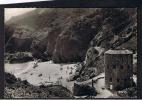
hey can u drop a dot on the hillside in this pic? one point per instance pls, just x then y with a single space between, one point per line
66 34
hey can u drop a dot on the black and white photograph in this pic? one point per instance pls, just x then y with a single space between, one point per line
70 53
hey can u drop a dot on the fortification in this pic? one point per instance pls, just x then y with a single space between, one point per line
118 69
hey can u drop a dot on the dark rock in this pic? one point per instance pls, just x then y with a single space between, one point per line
15 88
91 57
24 59
39 75
9 30
10 79
81 90
20 57
129 92
21 44
72 43
19 39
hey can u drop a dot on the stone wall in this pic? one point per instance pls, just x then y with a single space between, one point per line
118 69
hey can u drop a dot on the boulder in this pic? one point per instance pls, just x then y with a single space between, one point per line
91 55
129 92
19 57
83 90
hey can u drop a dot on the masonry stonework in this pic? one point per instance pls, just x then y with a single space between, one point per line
118 69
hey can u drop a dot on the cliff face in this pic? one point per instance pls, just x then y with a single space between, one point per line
119 31
72 43
66 34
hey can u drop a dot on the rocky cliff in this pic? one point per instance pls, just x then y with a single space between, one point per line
66 34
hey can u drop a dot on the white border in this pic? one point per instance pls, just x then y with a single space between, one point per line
19 1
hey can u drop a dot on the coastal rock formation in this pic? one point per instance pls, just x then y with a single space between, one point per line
15 88
67 38
81 90
72 43
19 57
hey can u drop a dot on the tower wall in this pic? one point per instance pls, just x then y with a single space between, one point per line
118 70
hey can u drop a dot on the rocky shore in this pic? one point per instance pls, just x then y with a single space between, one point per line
15 88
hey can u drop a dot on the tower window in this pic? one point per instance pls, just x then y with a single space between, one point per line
125 80
110 80
128 66
118 79
114 66
107 66
121 67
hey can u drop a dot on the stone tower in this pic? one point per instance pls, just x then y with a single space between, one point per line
118 69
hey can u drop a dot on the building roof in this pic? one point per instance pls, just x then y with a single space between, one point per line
118 52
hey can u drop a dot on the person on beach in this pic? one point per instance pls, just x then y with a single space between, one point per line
49 77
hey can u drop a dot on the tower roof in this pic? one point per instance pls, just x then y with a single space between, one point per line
118 52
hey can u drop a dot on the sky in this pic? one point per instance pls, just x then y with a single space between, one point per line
11 12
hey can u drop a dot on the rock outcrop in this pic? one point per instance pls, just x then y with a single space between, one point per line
19 57
72 43
15 88
67 38
118 31
81 90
